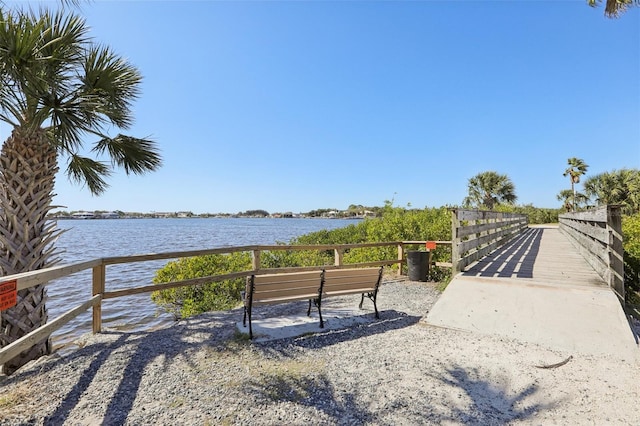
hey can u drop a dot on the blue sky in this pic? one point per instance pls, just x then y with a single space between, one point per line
299 105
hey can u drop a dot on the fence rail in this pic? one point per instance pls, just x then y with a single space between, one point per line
477 233
100 293
597 234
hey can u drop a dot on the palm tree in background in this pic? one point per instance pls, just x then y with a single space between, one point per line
614 8
57 87
620 187
567 196
577 168
488 189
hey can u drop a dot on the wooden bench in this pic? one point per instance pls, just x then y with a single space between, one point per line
281 288
365 281
312 286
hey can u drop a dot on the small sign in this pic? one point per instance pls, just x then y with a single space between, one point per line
431 245
8 294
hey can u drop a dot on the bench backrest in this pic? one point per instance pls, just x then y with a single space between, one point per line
275 288
350 281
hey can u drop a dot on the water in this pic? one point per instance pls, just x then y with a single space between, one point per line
91 239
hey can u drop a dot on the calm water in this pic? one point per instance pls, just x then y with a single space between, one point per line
91 239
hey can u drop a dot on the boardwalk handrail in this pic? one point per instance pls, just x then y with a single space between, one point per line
597 234
99 292
476 233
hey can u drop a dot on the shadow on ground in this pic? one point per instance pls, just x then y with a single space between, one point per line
519 254
490 404
134 351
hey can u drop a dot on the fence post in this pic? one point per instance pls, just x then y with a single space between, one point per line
98 278
455 241
616 252
255 259
400 257
337 261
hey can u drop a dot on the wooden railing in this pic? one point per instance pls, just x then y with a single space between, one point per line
477 233
100 293
597 234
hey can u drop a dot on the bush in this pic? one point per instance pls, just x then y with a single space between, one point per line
186 301
631 244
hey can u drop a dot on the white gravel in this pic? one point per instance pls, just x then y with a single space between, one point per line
393 371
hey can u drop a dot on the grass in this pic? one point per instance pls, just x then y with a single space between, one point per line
12 400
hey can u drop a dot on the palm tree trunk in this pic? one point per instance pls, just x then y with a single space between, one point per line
28 165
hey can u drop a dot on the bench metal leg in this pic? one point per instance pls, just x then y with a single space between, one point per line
318 302
373 297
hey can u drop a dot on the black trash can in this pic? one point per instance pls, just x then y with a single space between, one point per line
418 265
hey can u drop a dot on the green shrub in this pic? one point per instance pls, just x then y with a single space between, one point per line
186 301
631 232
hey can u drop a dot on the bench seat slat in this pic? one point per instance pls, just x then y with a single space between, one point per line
293 292
355 290
287 285
288 298
281 278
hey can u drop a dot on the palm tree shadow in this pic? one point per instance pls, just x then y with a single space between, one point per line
314 392
491 404
141 349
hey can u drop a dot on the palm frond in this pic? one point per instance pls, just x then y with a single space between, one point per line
112 84
134 155
614 8
88 171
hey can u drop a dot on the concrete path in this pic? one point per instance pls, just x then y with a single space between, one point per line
526 291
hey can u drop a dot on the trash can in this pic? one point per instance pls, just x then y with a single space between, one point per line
418 265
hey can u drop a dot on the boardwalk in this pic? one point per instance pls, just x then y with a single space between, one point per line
542 254
538 289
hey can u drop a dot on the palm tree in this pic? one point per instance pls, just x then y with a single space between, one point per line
567 196
577 168
614 8
57 87
621 187
488 189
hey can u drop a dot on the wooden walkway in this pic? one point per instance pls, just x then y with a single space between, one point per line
541 253
538 289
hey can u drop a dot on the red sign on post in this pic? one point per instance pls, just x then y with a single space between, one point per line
431 245
8 294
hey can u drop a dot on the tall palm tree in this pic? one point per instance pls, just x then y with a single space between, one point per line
614 8
487 189
577 167
57 87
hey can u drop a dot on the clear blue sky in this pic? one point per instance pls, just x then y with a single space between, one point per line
299 105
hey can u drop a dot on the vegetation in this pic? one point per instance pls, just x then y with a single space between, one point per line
489 189
577 167
614 8
569 198
396 224
621 187
631 232
536 215
56 88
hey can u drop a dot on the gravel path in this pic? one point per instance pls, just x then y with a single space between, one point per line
393 371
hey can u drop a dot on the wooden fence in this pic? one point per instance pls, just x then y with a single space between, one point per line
477 233
100 293
597 234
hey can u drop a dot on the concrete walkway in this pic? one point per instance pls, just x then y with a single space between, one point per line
526 292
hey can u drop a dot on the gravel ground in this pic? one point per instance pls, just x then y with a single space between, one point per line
393 371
